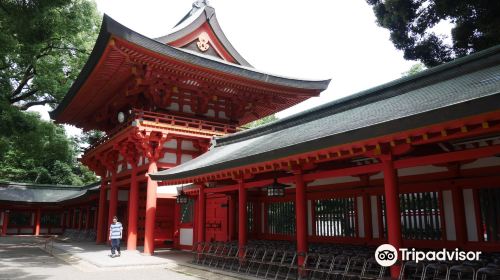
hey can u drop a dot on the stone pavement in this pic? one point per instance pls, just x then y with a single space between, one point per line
33 258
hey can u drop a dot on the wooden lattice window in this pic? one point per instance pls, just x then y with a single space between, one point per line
187 210
490 214
51 219
20 219
335 217
281 218
420 216
250 217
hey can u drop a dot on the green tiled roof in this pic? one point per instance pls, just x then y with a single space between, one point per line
462 88
41 193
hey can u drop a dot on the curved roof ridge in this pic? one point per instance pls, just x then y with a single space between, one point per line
193 20
47 186
398 86
113 29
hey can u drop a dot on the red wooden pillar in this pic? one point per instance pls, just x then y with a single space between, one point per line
101 216
242 217
149 231
5 222
301 214
393 213
87 219
133 209
201 214
37 221
113 200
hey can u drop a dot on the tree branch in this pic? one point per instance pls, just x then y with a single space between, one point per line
28 75
23 96
27 105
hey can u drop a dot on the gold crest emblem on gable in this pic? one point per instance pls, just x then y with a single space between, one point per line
202 43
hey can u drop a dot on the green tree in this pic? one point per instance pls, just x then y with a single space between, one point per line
37 151
262 121
43 46
475 27
414 69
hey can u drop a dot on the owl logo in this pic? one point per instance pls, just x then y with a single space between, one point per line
203 42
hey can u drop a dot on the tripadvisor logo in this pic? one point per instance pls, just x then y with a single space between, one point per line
387 255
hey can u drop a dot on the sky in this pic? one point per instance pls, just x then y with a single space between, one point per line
314 39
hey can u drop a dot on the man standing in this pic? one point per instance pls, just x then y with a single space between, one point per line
115 234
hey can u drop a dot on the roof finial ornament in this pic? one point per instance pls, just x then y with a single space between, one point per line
200 3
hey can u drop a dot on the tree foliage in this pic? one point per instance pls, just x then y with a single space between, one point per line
37 151
475 27
262 121
43 46
414 69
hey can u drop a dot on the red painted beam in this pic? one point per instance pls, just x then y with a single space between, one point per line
448 157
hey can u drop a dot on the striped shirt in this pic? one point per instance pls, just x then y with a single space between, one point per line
115 231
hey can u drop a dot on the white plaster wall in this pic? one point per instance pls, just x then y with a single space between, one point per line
186 236
361 217
222 115
173 106
210 113
186 158
420 170
333 180
374 207
482 162
470 215
171 144
12 231
187 109
167 189
187 145
169 158
122 195
379 175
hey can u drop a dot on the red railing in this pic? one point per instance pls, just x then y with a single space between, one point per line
160 120
186 122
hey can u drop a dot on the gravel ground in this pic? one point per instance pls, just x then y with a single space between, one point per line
21 258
